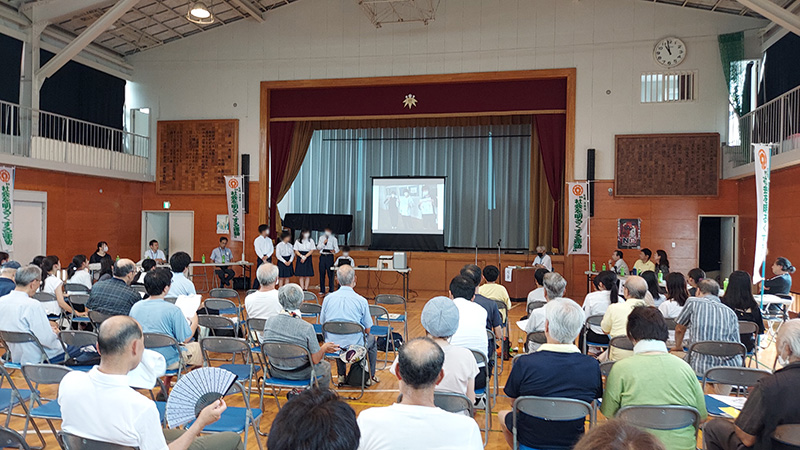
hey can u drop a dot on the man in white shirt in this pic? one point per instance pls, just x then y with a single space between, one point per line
328 247
617 264
542 260
100 405
423 425
554 287
223 255
264 249
471 332
154 253
537 295
264 303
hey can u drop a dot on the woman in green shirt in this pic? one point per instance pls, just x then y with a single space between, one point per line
652 376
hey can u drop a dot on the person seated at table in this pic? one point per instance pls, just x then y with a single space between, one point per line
537 294
542 260
115 296
708 320
155 253
615 320
772 402
662 263
643 264
597 303
656 293
556 369
653 376
223 255
53 285
617 434
147 266
739 298
100 254
327 422
494 290
181 285
289 327
78 272
7 273
696 275
345 259
617 264
781 283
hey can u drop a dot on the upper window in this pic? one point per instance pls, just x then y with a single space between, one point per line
663 87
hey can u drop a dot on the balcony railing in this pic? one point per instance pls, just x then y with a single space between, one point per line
52 137
776 122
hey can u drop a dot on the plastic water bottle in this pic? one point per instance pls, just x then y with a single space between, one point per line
117 257
622 271
725 284
223 258
204 258
594 269
604 267
660 277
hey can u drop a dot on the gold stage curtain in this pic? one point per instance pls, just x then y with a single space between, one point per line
540 223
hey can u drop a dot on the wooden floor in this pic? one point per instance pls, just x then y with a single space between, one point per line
381 394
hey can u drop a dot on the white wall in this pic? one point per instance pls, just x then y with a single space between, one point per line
610 43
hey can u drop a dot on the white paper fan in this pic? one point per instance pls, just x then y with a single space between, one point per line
196 390
352 353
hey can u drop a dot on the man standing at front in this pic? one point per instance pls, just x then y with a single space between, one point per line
345 305
328 247
264 249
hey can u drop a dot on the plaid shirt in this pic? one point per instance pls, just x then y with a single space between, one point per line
112 297
710 320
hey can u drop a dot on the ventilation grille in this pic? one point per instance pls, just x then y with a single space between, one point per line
669 87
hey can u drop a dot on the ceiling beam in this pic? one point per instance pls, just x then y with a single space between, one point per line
53 10
250 9
774 13
84 39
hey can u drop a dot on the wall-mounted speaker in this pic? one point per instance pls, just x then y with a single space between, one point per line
245 169
590 156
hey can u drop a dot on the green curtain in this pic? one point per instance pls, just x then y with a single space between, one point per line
731 51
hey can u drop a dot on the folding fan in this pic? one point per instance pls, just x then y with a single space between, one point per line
352 353
196 390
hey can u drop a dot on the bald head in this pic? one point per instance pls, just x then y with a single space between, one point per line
420 363
116 335
636 287
346 276
125 269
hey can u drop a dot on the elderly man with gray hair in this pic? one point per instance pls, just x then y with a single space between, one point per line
615 320
264 303
289 327
554 287
557 369
345 305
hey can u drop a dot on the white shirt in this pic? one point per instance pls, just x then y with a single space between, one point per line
103 407
51 285
262 305
263 246
535 321
305 245
544 260
460 367
670 309
417 427
536 295
284 252
471 331
18 312
82 277
596 303
158 254
621 264
328 243
660 300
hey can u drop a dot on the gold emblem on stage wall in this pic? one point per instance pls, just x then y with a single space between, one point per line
410 101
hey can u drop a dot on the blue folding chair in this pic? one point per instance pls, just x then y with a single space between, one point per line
11 439
384 331
308 310
158 340
72 442
234 347
20 337
40 407
224 307
551 409
45 297
79 300
11 397
591 321
238 419
392 299
226 293
77 338
286 357
485 392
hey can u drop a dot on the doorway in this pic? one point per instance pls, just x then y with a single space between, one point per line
174 231
29 225
717 246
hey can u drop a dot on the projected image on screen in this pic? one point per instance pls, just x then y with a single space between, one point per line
408 205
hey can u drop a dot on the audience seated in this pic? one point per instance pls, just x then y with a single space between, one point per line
21 313
771 403
493 318
557 369
288 326
596 303
115 296
676 296
781 283
51 284
78 271
494 290
696 275
147 265
415 422
708 320
471 331
537 295
181 285
7 274
264 303
739 298
653 376
615 321
618 435
345 305
554 287
100 405
643 264
157 315
315 419
654 289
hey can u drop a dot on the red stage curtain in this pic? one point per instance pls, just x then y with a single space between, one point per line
552 131
280 139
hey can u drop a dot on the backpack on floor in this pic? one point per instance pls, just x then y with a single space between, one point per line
394 344
357 370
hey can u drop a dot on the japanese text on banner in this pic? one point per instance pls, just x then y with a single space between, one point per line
578 218
235 194
762 165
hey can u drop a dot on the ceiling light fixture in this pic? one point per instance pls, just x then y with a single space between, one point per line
199 13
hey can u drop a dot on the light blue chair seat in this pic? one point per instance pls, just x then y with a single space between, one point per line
379 330
50 410
242 371
12 365
233 419
400 318
283 382
5 397
317 328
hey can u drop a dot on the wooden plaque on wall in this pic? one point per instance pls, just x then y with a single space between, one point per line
667 165
194 155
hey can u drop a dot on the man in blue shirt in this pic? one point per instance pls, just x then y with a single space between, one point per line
157 315
179 262
345 305
7 277
222 255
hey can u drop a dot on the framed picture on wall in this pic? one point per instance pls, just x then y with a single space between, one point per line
629 233
222 224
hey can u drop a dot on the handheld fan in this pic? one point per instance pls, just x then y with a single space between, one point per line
352 353
196 390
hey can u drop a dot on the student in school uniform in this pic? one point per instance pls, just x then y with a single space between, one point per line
154 253
304 267
222 255
264 249
284 253
328 247
345 259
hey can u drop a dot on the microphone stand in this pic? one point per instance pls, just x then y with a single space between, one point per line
499 259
